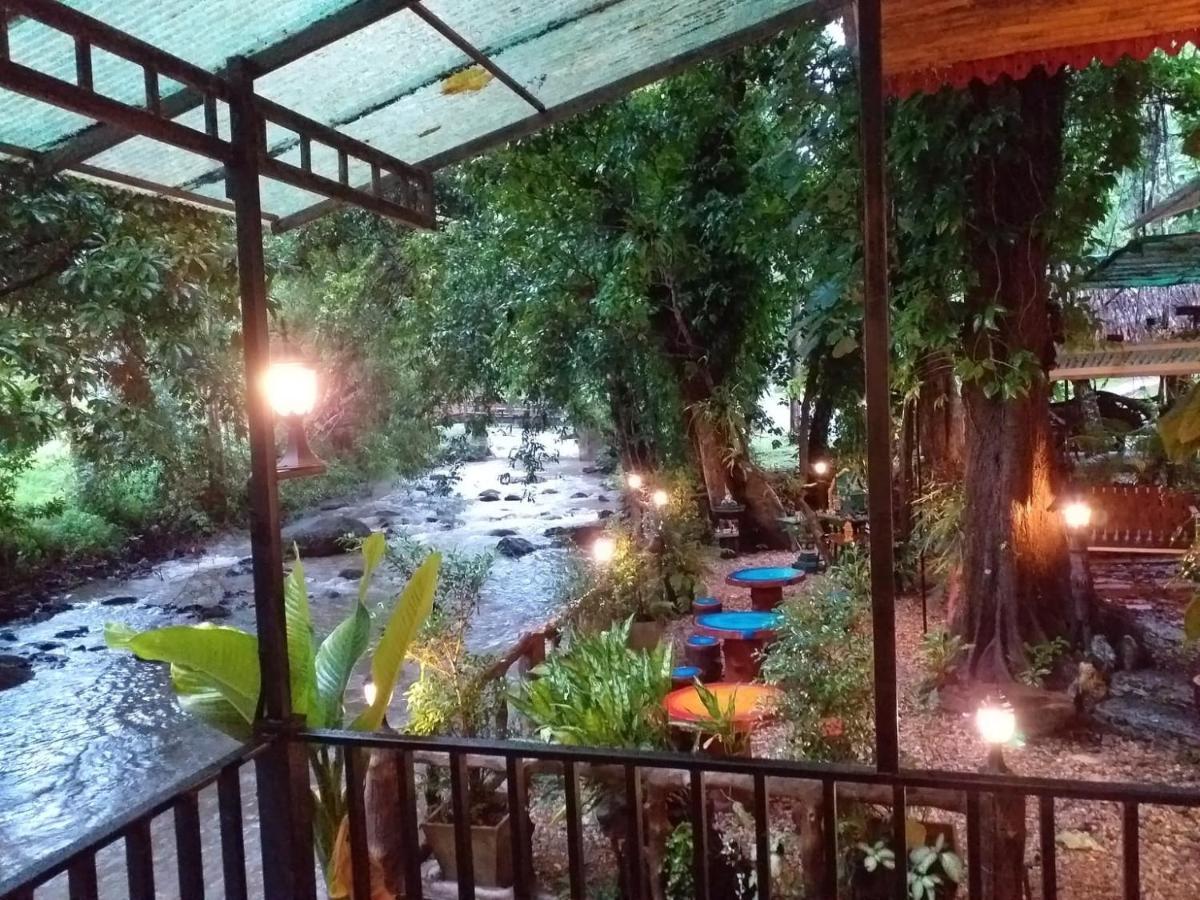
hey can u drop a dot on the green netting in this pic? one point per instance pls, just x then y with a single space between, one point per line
1156 261
392 84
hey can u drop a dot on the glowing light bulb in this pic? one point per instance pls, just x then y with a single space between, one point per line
1077 515
820 468
635 481
660 498
370 692
603 550
291 388
997 723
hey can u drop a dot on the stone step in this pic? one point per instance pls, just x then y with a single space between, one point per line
1148 719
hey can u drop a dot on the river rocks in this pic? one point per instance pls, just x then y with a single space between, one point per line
1103 654
121 600
501 532
579 535
324 535
603 498
351 573
549 490
68 633
435 518
204 612
604 514
9 636
47 646
514 547
491 495
14 670
580 495
511 497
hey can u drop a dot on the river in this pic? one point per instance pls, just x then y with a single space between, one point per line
95 730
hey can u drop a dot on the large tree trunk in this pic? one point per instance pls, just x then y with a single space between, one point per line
1016 567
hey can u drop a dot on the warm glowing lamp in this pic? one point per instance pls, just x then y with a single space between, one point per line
603 550
291 389
659 498
1077 515
635 481
997 724
820 468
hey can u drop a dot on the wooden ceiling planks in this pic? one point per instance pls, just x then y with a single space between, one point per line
929 43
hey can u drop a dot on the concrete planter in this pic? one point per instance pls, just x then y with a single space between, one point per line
491 851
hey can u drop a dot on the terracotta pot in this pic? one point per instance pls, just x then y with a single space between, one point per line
491 851
646 635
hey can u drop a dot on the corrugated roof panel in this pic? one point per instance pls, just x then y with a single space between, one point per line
1155 261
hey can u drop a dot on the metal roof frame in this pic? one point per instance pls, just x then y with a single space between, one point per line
1155 260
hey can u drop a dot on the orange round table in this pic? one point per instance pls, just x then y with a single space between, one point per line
752 703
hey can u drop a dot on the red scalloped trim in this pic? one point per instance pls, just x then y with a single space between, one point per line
1018 65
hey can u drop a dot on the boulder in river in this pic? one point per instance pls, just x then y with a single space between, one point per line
491 495
324 535
514 547
14 670
579 495
351 573
501 532
68 633
122 600
512 496
579 535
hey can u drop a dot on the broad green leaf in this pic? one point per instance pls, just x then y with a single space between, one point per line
1191 619
952 865
200 698
227 657
336 659
409 614
373 550
299 639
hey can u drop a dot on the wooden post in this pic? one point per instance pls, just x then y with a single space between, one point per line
285 813
876 350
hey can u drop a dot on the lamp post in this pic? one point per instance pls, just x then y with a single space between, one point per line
1077 516
1001 813
291 388
604 549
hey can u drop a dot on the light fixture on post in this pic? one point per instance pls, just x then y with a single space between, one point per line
604 548
660 498
291 389
1077 516
821 468
635 481
997 724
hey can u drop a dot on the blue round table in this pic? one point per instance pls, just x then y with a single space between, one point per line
743 636
766 584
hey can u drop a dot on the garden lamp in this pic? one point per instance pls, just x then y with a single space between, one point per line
997 724
660 498
1077 515
291 389
603 550
635 481
820 468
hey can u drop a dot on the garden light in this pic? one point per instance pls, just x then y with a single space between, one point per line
820 468
997 723
291 389
660 498
603 550
1077 515
635 481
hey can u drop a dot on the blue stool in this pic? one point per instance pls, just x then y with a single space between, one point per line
702 605
684 676
704 653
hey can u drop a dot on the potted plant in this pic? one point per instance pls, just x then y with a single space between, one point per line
457 693
215 675
718 733
933 872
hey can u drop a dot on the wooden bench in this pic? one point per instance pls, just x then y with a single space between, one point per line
1139 518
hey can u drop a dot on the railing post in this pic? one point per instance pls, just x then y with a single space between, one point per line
876 350
285 815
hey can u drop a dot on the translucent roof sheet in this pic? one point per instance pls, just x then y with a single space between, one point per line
1155 261
395 83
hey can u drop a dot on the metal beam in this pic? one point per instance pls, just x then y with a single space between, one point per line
877 352
479 57
97 138
761 31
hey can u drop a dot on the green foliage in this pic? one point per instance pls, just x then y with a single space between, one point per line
717 729
822 662
215 670
678 869
599 693
1041 659
941 655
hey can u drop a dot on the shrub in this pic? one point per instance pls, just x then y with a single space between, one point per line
941 655
599 693
822 662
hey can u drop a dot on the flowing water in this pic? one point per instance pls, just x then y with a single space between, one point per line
96 731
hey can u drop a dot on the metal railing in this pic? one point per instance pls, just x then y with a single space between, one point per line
634 776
